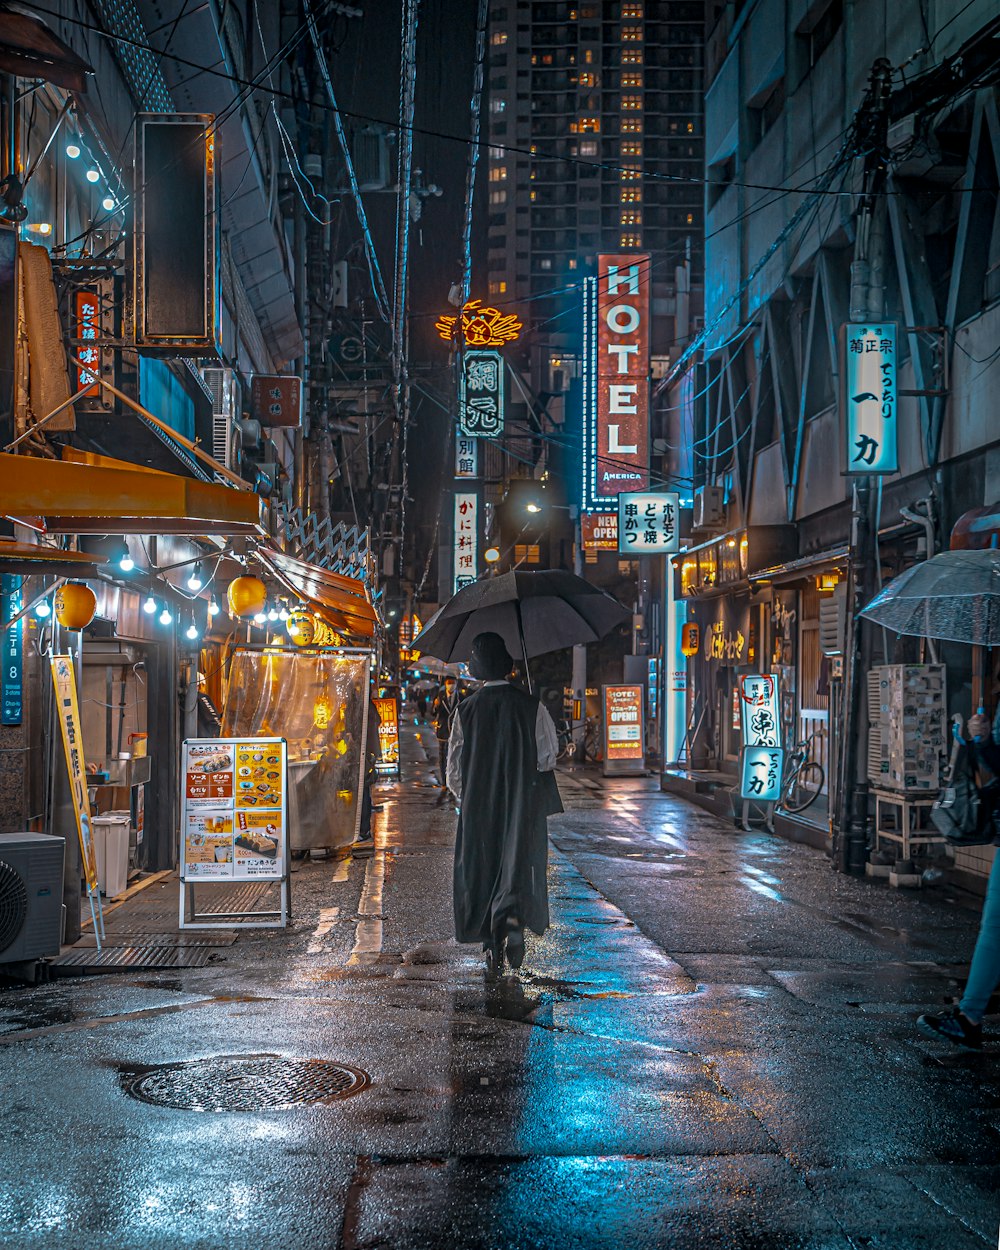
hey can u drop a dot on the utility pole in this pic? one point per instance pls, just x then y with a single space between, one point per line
867 301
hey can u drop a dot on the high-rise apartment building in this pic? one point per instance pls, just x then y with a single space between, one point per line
596 145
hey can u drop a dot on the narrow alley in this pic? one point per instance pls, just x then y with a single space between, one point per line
714 1045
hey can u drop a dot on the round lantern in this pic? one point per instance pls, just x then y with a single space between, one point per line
301 628
247 596
75 605
690 639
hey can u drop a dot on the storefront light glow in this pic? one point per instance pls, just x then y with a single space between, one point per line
72 150
93 175
149 607
166 616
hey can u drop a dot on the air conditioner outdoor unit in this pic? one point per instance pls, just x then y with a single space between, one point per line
709 508
31 874
224 386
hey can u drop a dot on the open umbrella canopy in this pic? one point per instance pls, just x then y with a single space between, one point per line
548 610
953 595
428 664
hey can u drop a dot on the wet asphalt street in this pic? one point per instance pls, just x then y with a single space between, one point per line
712 1047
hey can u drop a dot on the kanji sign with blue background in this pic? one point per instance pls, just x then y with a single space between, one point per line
647 523
870 398
11 698
760 774
480 395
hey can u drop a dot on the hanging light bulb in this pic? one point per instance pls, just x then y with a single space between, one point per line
213 608
43 609
93 175
282 613
272 614
260 618
149 607
192 631
72 150
166 616
125 561
195 581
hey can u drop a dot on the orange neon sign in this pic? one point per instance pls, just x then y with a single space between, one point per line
482 327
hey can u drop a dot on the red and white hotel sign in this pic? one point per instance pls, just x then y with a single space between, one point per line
622 374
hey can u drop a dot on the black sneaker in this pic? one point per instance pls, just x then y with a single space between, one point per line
954 1027
515 947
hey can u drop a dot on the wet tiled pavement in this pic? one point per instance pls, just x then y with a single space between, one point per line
712 1047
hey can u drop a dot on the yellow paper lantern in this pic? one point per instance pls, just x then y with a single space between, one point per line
308 630
690 639
247 596
75 605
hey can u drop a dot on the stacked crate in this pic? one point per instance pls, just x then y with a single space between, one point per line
907 733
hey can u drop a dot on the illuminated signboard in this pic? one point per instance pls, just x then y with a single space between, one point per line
870 398
760 774
760 721
12 663
624 751
466 456
599 531
87 327
466 538
480 395
387 765
481 326
616 379
647 523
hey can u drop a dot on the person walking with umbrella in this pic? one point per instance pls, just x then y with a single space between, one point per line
503 749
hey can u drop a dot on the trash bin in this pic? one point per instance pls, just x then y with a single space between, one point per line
111 839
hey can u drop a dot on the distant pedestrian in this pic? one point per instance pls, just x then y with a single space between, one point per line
443 716
373 752
503 751
963 1024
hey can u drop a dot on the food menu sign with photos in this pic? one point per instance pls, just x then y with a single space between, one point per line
624 751
234 809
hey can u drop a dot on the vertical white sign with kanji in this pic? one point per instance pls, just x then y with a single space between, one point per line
466 456
761 723
466 538
870 398
648 523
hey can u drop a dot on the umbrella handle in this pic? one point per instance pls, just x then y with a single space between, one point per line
524 648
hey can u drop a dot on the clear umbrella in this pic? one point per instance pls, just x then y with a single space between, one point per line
953 595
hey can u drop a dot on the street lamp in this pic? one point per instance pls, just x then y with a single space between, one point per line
491 555
532 507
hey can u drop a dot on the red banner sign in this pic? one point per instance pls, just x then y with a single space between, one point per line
622 374
599 531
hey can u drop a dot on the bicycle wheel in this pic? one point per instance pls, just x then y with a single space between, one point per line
803 787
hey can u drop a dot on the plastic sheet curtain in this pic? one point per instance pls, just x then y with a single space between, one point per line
317 702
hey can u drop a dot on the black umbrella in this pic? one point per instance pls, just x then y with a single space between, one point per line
532 612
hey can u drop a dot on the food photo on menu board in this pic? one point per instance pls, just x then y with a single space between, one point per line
208 844
257 844
208 780
258 775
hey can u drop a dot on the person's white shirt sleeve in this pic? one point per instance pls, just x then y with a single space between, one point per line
546 740
455 743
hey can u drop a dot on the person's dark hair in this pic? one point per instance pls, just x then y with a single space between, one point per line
490 659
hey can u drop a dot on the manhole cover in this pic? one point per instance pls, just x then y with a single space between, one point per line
245 1083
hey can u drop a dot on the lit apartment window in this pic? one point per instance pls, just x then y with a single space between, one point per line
498 288
631 125
631 10
498 197
497 105
631 195
632 79
631 34
630 173
588 56
589 125
526 553
498 173
532 195
629 240
631 147
690 219
632 56
545 262
496 154
498 38
586 80
572 262
631 217
631 103
690 128
588 147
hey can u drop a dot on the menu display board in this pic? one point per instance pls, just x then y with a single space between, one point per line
388 737
234 809
624 750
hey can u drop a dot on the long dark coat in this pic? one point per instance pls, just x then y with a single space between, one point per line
501 850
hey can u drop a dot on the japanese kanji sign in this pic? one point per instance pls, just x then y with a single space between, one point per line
276 399
647 523
11 695
466 456
761 723
869 398
480 395
466 538
624 749
760 774
88 323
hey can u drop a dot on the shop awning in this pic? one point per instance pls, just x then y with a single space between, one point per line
343 601
30 49
26 558
107 496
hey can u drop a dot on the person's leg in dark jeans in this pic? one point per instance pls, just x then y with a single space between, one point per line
443 761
